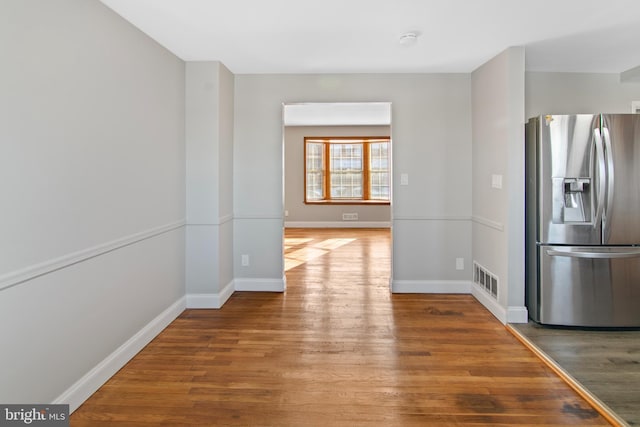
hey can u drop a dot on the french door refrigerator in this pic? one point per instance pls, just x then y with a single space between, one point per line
583 220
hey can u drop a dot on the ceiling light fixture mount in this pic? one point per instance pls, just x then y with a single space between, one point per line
409 39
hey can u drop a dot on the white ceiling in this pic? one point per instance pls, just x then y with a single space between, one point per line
361 36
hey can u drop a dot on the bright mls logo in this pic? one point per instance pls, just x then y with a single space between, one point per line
34 415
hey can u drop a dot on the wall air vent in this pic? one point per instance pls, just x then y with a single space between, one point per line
485 279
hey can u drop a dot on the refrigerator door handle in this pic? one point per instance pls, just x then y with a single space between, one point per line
610 181
600 163
595 253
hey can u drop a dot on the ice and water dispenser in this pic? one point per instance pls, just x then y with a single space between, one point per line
572 201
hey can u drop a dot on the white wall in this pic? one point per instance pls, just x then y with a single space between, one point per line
209 155
92 184
431 143
498 149
574 93
309 215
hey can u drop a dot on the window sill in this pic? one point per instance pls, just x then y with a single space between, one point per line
348 202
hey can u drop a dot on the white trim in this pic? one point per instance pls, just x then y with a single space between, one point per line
197 301
517 314
431 286
489 302
512 314
337 224
222 220
488 223
260 285
225 218
82 389
46 267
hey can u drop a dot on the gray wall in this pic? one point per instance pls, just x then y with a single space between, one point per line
307 215
498 213
209 155
574 93
92 177
92 183
431 143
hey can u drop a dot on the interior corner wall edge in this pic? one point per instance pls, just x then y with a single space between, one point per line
209 178
92 124
498 115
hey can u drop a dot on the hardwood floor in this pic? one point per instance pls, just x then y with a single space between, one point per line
604 362
337 349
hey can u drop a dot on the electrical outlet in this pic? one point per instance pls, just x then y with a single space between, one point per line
459 263
245 260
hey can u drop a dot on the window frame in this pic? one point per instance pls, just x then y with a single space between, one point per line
366 169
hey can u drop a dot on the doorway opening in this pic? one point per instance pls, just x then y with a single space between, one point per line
333 195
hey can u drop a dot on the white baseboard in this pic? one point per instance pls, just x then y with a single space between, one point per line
197 301
517 314
260 285
514 314
489 302
96 377
337 224
431 287
509 315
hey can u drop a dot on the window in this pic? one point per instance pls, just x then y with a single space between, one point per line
347 170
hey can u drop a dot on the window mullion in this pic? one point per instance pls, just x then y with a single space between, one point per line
368 184
327 171
366 191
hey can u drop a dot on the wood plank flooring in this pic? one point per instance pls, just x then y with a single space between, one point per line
605 362
337 349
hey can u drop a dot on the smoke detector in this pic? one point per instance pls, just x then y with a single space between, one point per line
409 39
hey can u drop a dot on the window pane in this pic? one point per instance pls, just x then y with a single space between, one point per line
347 168
314 171
379 170
346 171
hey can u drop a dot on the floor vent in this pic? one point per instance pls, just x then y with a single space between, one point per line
485 279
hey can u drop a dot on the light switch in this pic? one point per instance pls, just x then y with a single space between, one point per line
496 181
404 179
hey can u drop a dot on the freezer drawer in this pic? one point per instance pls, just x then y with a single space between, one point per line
588 286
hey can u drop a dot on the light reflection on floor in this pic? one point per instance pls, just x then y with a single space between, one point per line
295 257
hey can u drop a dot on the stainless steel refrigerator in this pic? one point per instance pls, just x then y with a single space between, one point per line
583 220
